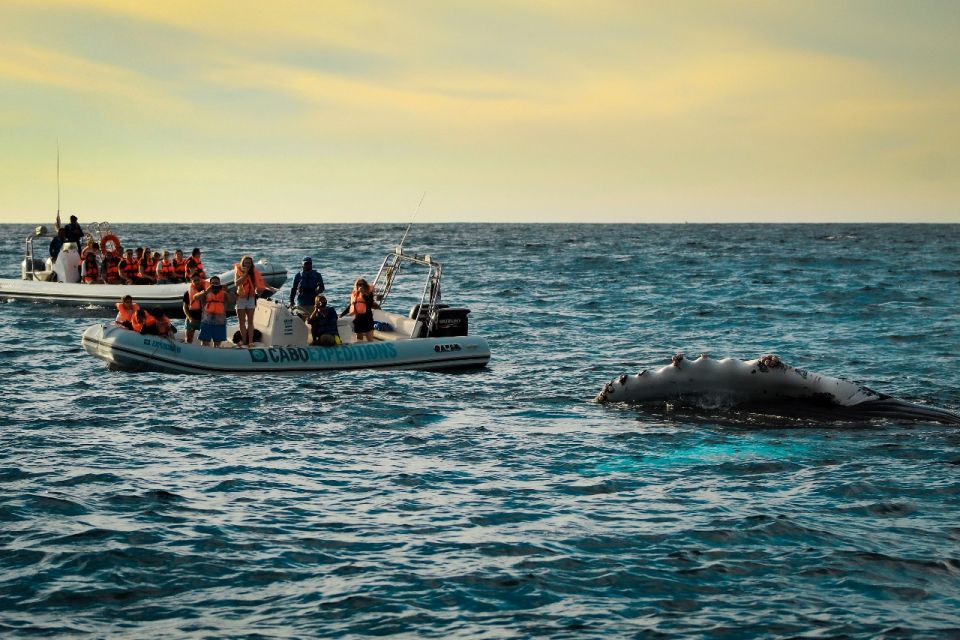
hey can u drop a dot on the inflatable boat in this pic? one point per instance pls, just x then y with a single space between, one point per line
58 281
431 336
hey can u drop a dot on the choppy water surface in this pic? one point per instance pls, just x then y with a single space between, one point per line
503 503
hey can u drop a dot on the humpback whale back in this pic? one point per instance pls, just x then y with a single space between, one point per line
764 381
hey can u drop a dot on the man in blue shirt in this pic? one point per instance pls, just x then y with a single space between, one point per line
307 285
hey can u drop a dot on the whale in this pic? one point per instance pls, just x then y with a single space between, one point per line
764 382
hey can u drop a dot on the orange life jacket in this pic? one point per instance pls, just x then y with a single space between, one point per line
111 272
358 304
91 272
215 302
148 320
180 268
194 265
251 285
165 269
192 291
129 268
126 315
148 269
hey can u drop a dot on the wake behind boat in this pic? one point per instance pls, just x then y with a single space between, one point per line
431 336
58 281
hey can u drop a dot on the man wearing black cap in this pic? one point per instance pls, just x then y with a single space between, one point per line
307 285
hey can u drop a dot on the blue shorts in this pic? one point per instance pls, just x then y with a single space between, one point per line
215 332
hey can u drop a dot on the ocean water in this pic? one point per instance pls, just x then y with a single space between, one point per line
502 503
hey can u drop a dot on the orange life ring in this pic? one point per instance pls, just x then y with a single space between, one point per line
110 244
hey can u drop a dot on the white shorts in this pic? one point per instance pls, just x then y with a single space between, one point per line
246 303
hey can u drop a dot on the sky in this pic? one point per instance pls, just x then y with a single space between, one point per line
499 111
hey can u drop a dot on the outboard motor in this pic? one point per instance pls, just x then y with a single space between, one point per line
444 322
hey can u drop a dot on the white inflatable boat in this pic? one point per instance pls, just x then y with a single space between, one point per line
431 337
58 282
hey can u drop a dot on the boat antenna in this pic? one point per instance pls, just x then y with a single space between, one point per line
403 239
58 183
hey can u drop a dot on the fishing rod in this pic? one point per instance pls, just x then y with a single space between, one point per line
58 184
403 239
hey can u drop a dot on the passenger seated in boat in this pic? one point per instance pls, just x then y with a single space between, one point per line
165 270
129 268
148 269
90 270
323 324
164 324
91 247
126 309
179 267
110 269
194 265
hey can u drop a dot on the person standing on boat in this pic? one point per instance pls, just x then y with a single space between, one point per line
361 308
249 283
307 285
323 324
57 243
191 305
213 324
73 231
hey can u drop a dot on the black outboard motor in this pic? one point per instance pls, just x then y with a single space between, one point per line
444 322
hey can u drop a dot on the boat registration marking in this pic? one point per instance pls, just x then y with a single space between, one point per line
161 344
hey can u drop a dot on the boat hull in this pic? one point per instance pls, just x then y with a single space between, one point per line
126 350
166 296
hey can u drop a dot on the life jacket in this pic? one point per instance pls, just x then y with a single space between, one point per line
148 321
91 272
148 269
125 315
325 324
194 304
180 268
358 301
165 269
251 285
111 272
129 268
194 265
215 302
